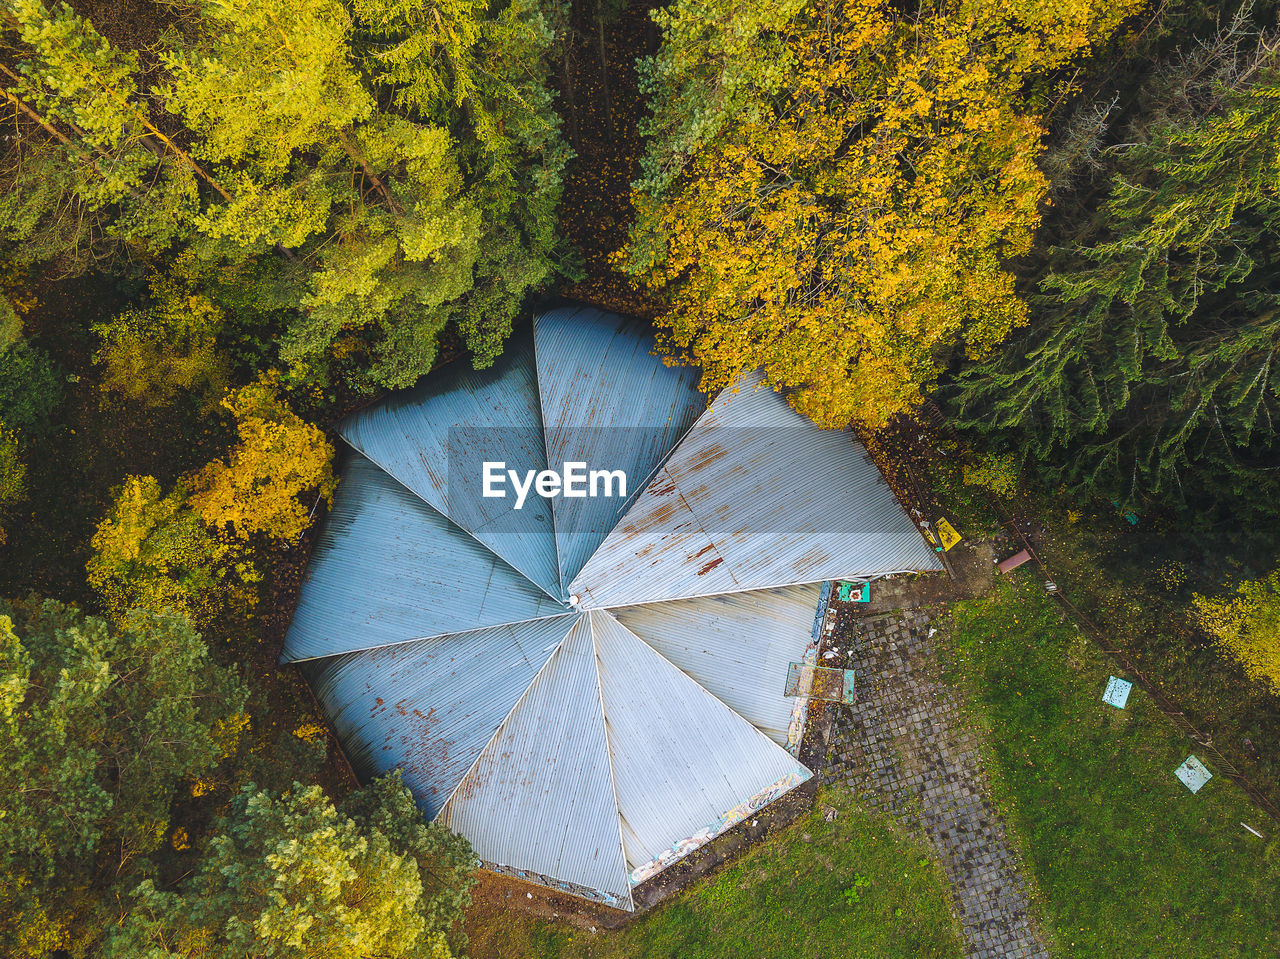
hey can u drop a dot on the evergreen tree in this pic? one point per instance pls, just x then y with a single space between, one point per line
98 725
377 177
1148 370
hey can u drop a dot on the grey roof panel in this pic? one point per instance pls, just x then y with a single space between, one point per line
430 707
585 750
738 646
387 568
679 768
755 496
540 797
455 420
609 402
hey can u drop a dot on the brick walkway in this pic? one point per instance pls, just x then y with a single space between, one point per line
903 746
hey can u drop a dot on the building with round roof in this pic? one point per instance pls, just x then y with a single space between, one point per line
587 687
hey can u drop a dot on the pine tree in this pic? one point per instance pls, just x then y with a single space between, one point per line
1148 371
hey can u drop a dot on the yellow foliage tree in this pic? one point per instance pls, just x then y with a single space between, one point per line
845 223
1247 625
13 473
152 550
279 457
150 355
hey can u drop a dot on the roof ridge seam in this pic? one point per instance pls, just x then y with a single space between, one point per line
608 752
506 719
423 639
546 455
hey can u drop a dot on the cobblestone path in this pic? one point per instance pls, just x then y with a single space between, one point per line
903 746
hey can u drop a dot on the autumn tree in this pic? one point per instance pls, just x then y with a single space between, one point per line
833 190
295 876
154 550
96 174
98 725
1247 625
375 176
257 489
153 353
1147 373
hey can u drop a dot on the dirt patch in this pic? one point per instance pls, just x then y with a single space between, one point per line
497 896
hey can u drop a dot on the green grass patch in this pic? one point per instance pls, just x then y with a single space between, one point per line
1127 861
859 886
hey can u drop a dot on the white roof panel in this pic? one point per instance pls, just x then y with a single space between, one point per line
609 403
453 422
540 797
429 708
738 646
679 768
387 568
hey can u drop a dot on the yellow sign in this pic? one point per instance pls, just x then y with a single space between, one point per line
947 534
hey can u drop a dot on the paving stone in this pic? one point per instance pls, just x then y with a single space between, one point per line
903 746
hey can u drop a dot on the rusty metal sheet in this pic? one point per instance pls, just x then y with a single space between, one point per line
589 748
754 497
460 417
738 646
387 568
609 402
540 797
429 708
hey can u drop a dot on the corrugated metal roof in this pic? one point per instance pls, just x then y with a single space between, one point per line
608 402
679 767
577 748
738 646
755 496
387 568
541 795
461 417
448 695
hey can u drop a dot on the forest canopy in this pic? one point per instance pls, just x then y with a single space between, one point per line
364 178
1028 251
833 191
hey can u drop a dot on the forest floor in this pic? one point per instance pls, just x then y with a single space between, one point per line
603 110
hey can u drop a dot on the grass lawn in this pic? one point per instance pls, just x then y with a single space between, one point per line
859 887
1127 861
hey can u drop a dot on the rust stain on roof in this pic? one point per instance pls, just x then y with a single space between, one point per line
710 566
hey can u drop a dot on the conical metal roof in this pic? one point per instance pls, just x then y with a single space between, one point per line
586 688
